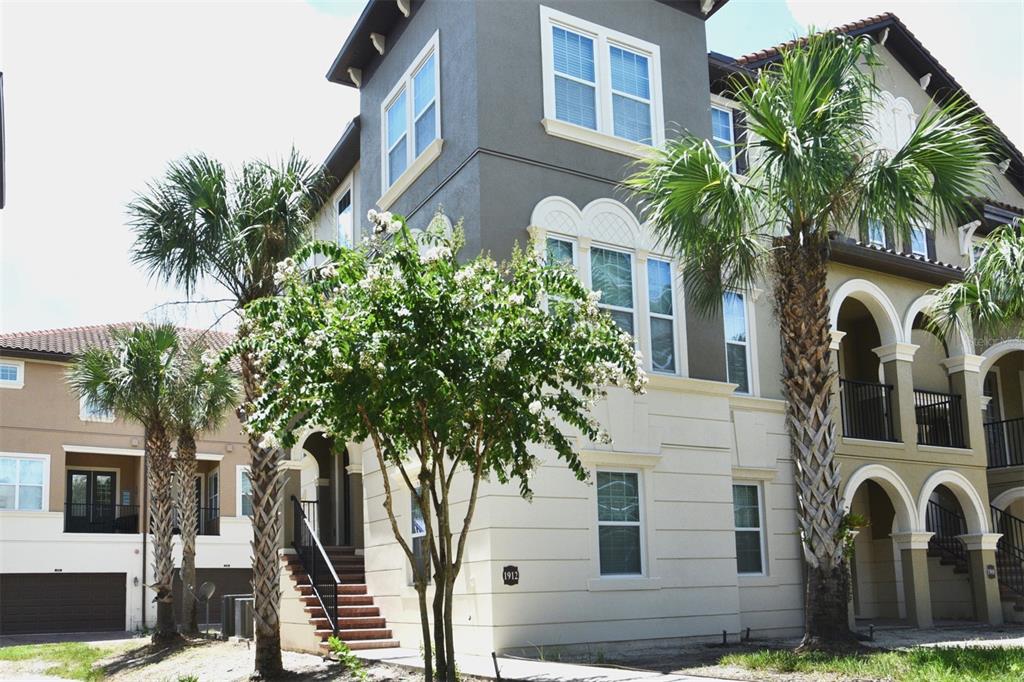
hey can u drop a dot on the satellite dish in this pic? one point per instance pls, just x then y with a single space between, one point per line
206 590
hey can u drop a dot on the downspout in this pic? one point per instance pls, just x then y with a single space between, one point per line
144 519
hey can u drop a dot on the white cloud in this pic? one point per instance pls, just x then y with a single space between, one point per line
99 97
981 43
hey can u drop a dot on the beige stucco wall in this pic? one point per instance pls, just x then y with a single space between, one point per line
43 417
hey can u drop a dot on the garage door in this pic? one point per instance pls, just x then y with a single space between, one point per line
61 602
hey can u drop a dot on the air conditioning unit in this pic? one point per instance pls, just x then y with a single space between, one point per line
228 622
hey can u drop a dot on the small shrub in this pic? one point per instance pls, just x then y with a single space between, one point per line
188 678
347 659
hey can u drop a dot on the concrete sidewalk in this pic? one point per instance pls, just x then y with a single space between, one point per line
482 667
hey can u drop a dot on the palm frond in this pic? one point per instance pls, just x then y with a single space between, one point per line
699 208
991 293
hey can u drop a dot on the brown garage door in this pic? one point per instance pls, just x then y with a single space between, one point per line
61 602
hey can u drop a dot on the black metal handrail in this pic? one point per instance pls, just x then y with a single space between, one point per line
1004 441
311 508
947 524
938 419
867 410
82 517
1009 550
314 559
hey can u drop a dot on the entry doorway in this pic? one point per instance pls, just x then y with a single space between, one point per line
331 492
91 500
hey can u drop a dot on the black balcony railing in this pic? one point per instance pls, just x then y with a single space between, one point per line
867 410
322 577
947 524
101 518
1010 550
208 521
938 419
1005 443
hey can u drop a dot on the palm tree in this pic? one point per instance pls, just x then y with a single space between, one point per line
991 293
198 222
200 399
814 171
133 379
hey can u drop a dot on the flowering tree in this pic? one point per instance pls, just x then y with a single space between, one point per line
449 369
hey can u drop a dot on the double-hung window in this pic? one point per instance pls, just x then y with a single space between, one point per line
746 501
419 533
346 232
723 136
919 240
412 115
737 343
22 483
88 412
244 492
876 233
611 273
12 374
662 312
618 522
600 80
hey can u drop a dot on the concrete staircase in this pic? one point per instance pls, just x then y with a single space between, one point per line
360 624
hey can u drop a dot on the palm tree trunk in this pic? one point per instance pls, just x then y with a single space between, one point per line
802 306
266 531
187 521
161 507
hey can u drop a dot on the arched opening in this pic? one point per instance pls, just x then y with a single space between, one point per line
331 491
875 566
865 398
938 410
948 564
1003 389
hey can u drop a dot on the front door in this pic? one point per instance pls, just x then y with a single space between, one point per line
91 500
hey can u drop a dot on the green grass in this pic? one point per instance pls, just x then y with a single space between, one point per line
73 660
922 664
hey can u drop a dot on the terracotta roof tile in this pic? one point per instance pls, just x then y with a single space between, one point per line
771 52
71 341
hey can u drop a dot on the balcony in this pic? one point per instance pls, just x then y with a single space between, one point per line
939 421
866 410
208 519
101 518
1005 443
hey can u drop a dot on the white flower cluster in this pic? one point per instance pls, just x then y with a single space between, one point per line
516 299
501 359
433 253
285 269
329 271
209 359
269 441
383 222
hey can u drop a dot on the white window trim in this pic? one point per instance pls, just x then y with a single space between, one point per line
346 188
649 345
603 137
215 473
732 134
754 388
45 459
761 530
84 415
415 165
239 471
632 281
20 381
641 483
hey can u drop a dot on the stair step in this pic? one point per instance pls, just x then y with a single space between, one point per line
369 633
345 588
345 611
363 644
346 624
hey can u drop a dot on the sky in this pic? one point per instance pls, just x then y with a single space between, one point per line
100 96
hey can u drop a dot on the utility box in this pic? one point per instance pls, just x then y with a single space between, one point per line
245 622
228 626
